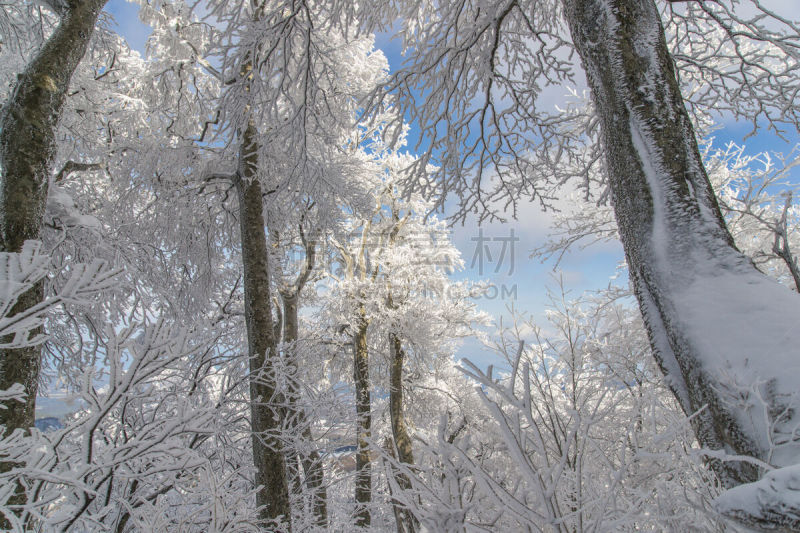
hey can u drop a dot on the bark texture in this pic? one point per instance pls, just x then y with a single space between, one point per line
268 457
770 517
364 421
664 204
402 439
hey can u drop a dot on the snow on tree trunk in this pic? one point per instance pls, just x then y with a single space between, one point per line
724 335
770 504
273 496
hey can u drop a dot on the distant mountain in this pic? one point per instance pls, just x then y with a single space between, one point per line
49 423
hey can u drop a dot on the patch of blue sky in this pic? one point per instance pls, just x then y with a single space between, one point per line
125 18
525 287
764 140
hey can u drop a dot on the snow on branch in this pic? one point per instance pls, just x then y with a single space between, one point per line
19 272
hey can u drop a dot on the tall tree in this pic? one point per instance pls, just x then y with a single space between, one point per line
273 492
28 126
674 237
296 418
280 103
671 226
358 272
395 295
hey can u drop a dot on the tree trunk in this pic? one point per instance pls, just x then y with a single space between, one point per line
311 461
273 496
27 147
669 221
402 439
364 421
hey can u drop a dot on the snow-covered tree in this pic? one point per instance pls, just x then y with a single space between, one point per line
479 72
394 296
28 125
225 176
274 115
575 431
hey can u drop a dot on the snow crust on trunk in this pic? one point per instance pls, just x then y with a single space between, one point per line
659 240
743 325
746 328
770 504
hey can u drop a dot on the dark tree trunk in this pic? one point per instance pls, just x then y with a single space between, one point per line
402 440
273 496
27 147
311 461
363 422
668 217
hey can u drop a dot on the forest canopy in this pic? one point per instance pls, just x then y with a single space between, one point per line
231 254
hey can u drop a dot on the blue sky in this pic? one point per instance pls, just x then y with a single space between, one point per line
126 21
525 286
